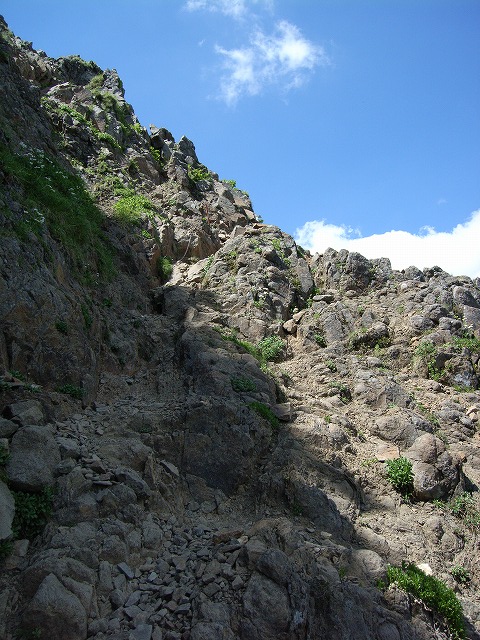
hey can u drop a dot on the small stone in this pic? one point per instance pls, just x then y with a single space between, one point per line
166 592
114 624
132 612
208 507
211 589
133 598
237 583
126 570
180 562
170 467
226 536
141 632
182 609
116 598
232 558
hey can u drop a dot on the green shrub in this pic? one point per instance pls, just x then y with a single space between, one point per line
71 390
468 342
466 509
87 318
164 268
400 475
4 455
267 350
62 327
57 199
243 384
156 155
320 340
6 547
18 374
131 208
270 348
208 264
342 390
432 592
96 82
199 173
266 413
32 511
460 574
427 353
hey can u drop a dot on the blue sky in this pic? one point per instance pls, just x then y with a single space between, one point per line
345 120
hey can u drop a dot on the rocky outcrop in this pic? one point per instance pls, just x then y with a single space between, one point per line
196 413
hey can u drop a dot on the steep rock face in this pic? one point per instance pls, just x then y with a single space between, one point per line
212 406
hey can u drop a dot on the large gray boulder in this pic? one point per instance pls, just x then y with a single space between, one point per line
56 611
34 456
26 412
436 473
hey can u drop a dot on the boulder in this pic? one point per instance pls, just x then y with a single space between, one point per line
34 456
436 473
57 612
26 412
7 428
266 610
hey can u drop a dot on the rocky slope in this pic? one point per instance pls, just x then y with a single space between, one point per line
198 414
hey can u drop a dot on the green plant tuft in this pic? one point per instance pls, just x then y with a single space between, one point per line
56 199
266 413
71 390
432 592
243 384
427 353
465 507
62 327
32 511
164 268
270 348
198 174
320 340
460 574
87 318
400 475
131 208
267 350
4 455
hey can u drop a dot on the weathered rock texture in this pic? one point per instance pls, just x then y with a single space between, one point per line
215 434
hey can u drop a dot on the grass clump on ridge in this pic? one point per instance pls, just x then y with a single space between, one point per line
432 592
55 199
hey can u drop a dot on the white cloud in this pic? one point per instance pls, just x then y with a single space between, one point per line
455 251
284 57
233 8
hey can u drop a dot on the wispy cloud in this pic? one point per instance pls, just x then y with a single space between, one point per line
284 58
455 251
234 8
